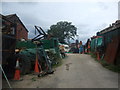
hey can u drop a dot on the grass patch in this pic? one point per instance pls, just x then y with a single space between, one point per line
93 56
114 68
59 63
33 79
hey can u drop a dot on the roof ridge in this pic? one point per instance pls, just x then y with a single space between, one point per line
10 15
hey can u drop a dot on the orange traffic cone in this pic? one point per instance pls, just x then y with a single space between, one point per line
36 69
17 71
98 56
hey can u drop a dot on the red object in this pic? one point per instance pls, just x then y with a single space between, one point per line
17 71
46 66
88 45
88 51
112 50
17 74
36 70
98 56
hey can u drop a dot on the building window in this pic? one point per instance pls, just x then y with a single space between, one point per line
13 30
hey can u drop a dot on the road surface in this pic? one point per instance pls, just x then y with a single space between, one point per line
77 71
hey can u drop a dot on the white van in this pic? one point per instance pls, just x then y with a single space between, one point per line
66 48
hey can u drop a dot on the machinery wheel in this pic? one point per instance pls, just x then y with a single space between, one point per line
25 64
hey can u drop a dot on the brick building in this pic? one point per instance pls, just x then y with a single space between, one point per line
8 38
7 27
21 32
12 29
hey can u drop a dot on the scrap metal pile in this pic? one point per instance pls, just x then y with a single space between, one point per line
39 48
37 55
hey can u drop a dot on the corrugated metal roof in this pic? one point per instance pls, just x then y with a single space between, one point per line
112 27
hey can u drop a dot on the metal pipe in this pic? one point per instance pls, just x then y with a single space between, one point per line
5 76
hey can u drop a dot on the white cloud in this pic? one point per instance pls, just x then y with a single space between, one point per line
88 17
60 0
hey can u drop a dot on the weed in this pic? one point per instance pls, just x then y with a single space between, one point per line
59 63
114 68
33 79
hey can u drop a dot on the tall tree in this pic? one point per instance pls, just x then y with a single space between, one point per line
63 30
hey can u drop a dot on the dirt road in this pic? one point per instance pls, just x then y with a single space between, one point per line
77 71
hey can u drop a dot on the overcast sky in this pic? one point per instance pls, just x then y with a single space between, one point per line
88 17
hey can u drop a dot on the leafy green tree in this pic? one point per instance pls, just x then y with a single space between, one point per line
63 30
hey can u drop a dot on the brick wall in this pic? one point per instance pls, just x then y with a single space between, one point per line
21 32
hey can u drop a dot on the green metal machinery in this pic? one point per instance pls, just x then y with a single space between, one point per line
52 45
96 43
29 49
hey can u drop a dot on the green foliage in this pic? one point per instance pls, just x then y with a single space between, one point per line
93 56
33 79
63 30
56 61
114 68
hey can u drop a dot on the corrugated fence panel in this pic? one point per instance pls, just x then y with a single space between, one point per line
111 51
